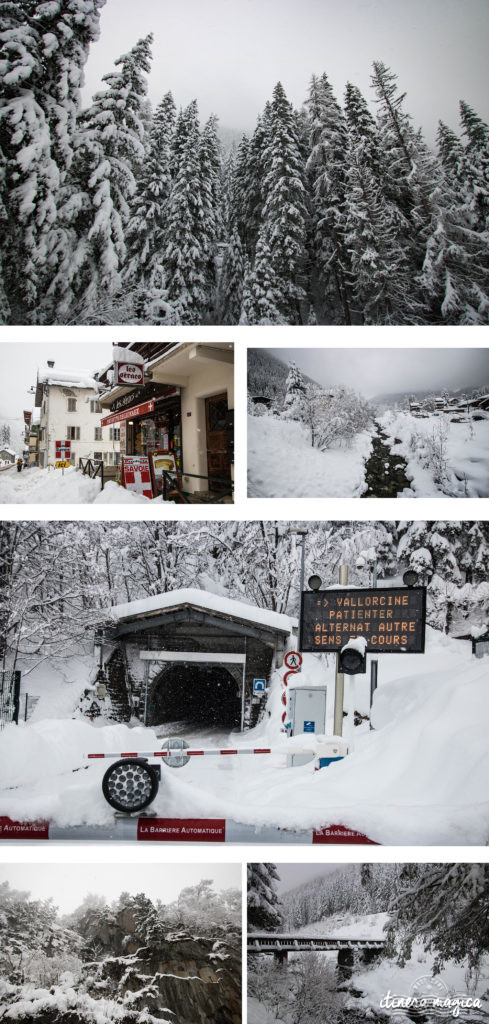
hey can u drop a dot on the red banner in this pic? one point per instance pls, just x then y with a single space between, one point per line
23 829
340 834
179 830
128 414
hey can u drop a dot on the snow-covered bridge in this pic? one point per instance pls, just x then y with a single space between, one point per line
280 945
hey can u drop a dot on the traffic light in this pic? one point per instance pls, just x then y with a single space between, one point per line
352 662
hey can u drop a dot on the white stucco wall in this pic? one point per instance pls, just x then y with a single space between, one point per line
215 379
56 418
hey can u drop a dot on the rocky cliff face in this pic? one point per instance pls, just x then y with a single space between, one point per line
188 979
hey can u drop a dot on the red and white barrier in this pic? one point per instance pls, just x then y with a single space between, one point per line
185 752
181 830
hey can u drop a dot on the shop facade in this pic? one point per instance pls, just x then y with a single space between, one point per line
181 417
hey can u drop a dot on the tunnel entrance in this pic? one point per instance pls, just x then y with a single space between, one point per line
199 695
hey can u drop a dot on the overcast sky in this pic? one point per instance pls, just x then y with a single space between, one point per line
20 362
292 875
68 884
230 53
378 371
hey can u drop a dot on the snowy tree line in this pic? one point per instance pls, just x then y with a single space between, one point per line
121 213
79 966
57 579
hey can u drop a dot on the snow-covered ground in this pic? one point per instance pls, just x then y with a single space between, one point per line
420 777
282 462
53 487
443 458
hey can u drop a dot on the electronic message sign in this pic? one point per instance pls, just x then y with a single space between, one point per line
391 619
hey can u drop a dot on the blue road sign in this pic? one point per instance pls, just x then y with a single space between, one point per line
259 685
309 727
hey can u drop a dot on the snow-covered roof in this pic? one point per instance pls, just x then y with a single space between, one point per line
8 450
190 596
64 378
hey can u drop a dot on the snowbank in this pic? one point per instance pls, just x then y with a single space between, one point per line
461 453
282 463
35 486
420 778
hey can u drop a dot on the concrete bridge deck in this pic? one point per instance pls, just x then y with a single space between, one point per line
275 943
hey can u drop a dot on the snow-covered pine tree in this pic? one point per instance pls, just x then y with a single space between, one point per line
264 907
284 214
231 281
447 905
43 49
452 278
95 205
476 165
211 213
146 230
295 401
327 169
380 270
186 255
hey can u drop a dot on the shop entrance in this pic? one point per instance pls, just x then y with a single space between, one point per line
195 695
216 417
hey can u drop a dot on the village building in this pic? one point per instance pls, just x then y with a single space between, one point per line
187 655
70 410
7 455
175 398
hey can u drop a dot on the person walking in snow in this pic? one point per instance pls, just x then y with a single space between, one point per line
19 465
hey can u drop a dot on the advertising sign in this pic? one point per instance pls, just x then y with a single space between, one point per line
161 459
27 417
136 474
62 464
392 619
63 449
130 374
129 414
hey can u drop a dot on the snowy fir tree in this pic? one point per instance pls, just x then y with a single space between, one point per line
43 50
447 905
264 907
295 400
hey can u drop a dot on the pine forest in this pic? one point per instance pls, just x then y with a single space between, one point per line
335 213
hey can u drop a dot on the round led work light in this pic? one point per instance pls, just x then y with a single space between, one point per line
314 582
131 784
352 662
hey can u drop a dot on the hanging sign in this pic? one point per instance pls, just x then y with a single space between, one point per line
136 474
392 620
130 374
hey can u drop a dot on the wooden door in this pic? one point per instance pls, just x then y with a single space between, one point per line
216 411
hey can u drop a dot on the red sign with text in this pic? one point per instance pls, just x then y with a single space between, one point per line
192 830
337 834
23 829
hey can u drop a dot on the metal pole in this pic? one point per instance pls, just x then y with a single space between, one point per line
374 665
146 686
303 569
339 685
243 685
373 683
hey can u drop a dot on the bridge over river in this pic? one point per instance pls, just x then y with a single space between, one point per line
281 945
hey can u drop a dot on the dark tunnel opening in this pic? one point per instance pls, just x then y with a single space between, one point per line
199 695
